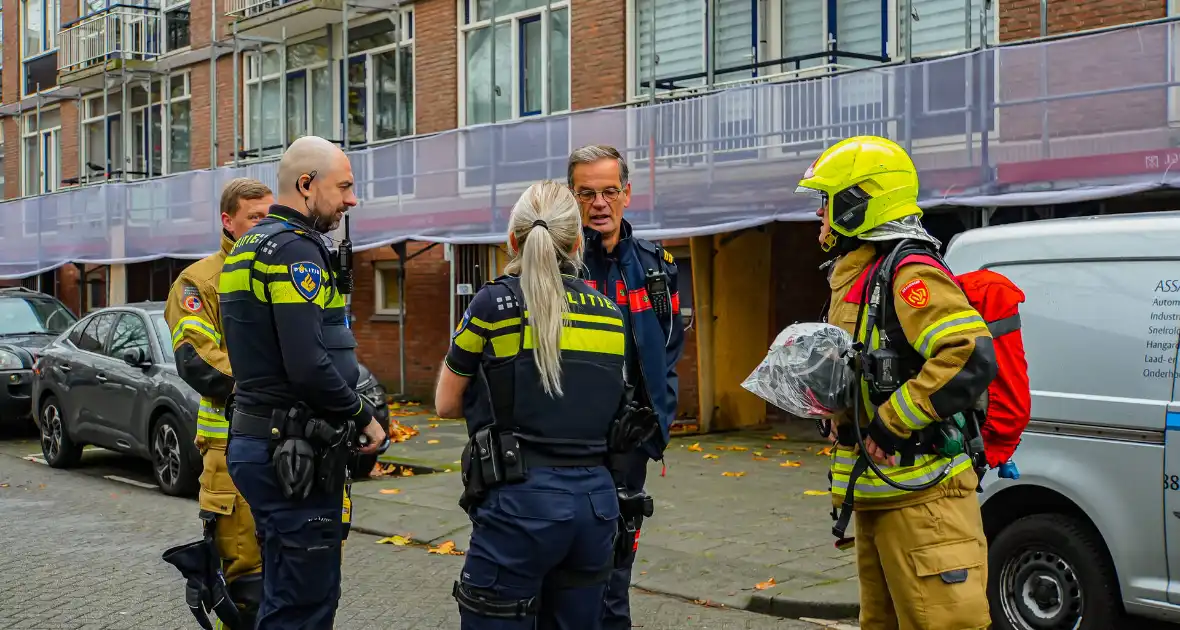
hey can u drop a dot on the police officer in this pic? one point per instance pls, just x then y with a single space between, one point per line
202 362
536 368
295 407
921 554
642 279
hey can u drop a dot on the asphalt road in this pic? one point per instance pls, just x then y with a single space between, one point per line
82 552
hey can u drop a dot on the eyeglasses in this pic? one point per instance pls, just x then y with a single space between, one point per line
588 196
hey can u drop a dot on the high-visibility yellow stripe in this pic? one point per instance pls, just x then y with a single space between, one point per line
909 412
469 341
281 291
585 340
927 342
511 321
506 345
211 420
194 324
869 486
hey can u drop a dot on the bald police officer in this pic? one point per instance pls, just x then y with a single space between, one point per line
296 409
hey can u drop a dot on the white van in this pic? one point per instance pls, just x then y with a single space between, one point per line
1092 526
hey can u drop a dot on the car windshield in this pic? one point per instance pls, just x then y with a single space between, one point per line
164 335
28 316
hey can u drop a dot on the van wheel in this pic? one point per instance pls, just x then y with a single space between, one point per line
1051 572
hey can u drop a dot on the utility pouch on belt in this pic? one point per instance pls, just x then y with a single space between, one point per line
480 468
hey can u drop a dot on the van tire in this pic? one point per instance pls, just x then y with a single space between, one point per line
1060 553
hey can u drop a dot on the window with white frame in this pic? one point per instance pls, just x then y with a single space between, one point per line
102 138
505 71
381 80
387 288
160 127
40 20
309 96
803 33
176 26
40 152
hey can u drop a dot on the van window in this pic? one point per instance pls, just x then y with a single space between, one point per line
1101 339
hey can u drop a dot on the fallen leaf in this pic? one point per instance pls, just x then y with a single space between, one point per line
446 549
399 541
391 491
3 485
696 448
432 441
783 451
765 585
458 461
733 474
827 450
407 473
816 493
710 456
761 459
778 436
790 464
40 486
643 573
434 426
738 448
757 453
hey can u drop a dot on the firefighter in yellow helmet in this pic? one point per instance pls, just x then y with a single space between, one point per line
921 552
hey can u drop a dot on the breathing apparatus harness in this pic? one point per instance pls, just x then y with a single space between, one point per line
884 370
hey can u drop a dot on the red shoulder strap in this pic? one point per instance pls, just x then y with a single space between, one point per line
854 294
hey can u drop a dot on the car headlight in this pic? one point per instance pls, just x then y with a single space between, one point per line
9 361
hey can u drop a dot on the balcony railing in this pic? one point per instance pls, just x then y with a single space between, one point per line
251 8
125 32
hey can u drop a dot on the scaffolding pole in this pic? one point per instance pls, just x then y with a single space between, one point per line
238 114
213 45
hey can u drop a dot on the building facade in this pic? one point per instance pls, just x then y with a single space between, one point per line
93 92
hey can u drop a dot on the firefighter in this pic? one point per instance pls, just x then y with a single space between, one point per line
201 360
296 412
921 555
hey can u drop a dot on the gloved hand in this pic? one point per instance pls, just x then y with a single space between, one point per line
881 443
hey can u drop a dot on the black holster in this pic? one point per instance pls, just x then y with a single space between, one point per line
634 506
489 459
205 589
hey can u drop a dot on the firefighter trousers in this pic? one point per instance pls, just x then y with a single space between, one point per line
235 534
923 567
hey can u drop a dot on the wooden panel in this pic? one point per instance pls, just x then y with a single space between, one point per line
741 302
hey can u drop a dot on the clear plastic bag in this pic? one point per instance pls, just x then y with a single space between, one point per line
805 373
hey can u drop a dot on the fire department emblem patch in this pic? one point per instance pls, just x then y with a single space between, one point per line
192 304
916 293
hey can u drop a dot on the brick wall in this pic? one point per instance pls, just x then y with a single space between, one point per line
1098 62
598 45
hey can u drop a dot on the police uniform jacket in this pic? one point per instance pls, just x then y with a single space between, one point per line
941 325
192 313
494 345
284 322
654 344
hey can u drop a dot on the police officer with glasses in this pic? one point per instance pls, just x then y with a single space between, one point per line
536 368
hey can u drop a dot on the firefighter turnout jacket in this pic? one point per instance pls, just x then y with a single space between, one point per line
284 321
954 341
192 313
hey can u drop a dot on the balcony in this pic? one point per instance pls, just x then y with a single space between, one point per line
121 36
275 19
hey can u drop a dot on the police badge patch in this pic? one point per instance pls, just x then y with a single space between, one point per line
307 278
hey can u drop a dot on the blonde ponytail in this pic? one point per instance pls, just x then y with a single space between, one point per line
547 227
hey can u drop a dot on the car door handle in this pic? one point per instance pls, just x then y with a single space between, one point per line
101 378
65 367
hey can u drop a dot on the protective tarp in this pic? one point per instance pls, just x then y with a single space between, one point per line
1085 118
806 372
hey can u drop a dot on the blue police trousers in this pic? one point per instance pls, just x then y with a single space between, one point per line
617 611
300 542
529 538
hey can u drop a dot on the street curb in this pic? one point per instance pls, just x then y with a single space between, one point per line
761 603
791 608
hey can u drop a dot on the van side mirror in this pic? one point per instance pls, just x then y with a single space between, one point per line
136 357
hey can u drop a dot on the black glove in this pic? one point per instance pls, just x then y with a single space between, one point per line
887 440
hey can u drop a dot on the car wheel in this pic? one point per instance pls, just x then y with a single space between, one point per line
173 464
1051 572
57 447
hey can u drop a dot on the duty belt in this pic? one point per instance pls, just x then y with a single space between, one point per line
535 458
253 425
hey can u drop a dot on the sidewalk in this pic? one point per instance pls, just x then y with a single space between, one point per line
738 519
